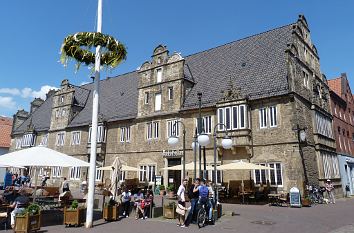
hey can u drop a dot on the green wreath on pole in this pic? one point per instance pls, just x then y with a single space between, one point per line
78 47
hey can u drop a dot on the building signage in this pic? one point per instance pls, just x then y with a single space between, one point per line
172 153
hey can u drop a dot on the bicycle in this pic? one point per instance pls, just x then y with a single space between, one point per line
203 216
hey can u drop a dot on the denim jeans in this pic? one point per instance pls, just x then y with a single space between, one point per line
190 214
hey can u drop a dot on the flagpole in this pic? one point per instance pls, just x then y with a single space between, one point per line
95 107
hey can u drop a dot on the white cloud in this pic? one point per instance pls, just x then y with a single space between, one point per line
7 102
28 92
11 91
42 92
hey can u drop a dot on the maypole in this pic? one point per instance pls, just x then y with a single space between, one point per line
95 107
72 48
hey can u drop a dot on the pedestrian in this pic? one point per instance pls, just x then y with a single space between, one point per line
149 200
139 203
65 185
181 206
330 191
193 195
126 197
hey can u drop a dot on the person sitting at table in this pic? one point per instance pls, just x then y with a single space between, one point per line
19 205
139 204
65 185
126 197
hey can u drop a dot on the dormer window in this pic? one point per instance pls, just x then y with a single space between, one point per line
159 75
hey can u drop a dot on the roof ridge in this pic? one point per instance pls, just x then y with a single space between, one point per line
247 37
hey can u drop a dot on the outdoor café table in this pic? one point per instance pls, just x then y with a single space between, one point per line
245 195
273 198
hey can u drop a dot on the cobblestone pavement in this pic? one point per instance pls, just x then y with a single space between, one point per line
330 218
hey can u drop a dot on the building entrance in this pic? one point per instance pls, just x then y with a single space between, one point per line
174 177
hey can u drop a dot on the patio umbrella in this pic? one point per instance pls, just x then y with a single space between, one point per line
124 168
241 165
189 166
117 169
40 156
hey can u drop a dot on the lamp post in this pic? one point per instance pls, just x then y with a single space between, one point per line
173 141
203 139
226 144
194 147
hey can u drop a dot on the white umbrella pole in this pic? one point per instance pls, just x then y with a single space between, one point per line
35 183
92 171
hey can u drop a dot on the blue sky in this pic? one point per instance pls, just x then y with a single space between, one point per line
32 33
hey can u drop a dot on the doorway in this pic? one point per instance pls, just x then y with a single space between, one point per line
174 177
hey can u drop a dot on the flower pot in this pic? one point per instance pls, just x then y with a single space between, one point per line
27 223
306 202
111 213
74 217
171 194
169 211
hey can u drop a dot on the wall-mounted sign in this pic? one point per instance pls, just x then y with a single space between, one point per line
172 153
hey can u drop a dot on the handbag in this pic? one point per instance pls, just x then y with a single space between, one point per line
180 210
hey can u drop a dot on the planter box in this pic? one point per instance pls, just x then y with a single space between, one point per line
28 223
306 202
169 211
111 213
74 217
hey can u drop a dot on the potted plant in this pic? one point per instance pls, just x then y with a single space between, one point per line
111 211
306 201
169 210
170 190
74 215
29 220
162 190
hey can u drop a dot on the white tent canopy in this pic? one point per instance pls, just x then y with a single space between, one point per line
241 165
189 166
124 168
40 156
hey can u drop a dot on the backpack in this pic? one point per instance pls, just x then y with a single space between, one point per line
203 191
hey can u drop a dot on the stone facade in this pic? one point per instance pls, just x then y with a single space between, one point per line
264 130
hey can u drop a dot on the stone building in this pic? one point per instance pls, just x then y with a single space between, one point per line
342 103
267 89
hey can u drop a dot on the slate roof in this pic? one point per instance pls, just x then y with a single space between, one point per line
256 64
40 118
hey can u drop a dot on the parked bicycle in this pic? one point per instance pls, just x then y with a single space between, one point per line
204 213
316 194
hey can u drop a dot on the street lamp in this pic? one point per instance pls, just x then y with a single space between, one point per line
226 144
173 141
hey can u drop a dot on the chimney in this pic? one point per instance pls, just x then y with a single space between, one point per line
35 104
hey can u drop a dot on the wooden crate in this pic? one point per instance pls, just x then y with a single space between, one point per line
74 217
28 223
111 213
169 211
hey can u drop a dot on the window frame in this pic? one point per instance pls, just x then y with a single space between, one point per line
170 93
158 102
263 121
75 141
273 109
158 75
59 142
